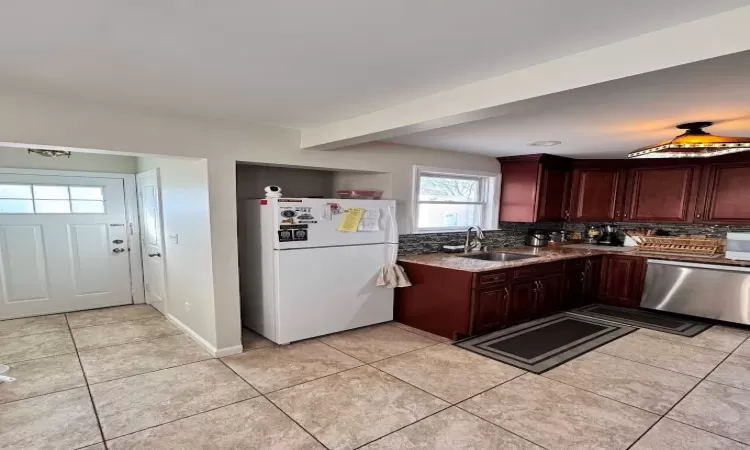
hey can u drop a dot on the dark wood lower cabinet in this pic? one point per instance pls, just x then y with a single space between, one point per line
457 304
581 282
549 295
489 309
523 301
622 280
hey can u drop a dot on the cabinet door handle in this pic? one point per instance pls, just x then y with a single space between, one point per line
506 293
698 216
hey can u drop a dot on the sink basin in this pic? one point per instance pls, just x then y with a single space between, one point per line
499 256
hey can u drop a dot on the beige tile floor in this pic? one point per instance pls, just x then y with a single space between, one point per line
125 378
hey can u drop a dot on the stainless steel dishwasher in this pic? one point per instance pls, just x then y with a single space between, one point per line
705 290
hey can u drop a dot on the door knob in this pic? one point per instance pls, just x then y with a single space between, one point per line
118 250
151 255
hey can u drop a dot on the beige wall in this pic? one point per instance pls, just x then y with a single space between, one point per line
252 179
19 158
29 119
186 215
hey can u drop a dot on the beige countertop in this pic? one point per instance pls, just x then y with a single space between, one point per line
548 254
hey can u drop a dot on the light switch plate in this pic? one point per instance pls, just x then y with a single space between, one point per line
174 238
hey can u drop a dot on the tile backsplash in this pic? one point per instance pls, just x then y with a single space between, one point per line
511 234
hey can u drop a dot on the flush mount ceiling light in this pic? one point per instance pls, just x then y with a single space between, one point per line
544 143
49 153
694 143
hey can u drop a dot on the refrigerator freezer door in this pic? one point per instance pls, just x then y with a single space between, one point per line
305 223
326 290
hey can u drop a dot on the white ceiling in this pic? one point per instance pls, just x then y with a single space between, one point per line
611 119
301 62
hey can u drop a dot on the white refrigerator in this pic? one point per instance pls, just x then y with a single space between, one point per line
301 277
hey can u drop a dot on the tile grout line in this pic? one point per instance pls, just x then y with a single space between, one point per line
275 405
705 431
450 405
46 393
182 418
651 365
157 316
663 416
152 371
391 323
387 357
498 426
686 343
88 388
603 396
138 341
42 357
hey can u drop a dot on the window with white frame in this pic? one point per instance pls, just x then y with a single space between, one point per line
51 199
453 200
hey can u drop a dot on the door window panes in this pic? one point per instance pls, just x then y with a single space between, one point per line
86 193
13 206
43 192
15 191
51 199
52 206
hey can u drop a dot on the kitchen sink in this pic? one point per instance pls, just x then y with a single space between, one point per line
499 256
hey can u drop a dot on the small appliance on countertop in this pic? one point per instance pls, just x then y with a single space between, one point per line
592 235
609 236
537 238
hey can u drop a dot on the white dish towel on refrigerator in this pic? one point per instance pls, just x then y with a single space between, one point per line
392 275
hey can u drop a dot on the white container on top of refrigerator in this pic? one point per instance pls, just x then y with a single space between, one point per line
300 277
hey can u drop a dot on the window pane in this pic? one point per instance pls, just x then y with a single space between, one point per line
16 206
15 191
86 193
50 192
52 206
433 215
87 206
445 189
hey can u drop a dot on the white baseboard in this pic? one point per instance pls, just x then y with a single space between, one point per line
217 353
226 351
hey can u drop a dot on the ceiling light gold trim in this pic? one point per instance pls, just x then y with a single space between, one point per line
694 143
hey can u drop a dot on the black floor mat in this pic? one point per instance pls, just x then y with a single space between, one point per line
644 319
542 344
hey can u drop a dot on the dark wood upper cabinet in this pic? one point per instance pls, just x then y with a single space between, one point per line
597 194
661 193
534 188
725 193
546 188
554 190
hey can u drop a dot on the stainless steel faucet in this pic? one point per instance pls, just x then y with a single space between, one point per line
470 243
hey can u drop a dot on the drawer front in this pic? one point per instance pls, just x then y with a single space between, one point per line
537 270
487 279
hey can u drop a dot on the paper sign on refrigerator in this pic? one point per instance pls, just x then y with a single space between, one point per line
370 220
350 219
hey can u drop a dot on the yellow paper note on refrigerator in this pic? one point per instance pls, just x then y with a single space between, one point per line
350 219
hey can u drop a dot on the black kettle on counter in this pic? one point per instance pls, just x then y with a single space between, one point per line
537 238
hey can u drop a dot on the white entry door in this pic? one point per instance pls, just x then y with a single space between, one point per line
63 244
152 241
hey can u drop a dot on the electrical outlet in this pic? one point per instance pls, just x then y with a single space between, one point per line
187 307
174 238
